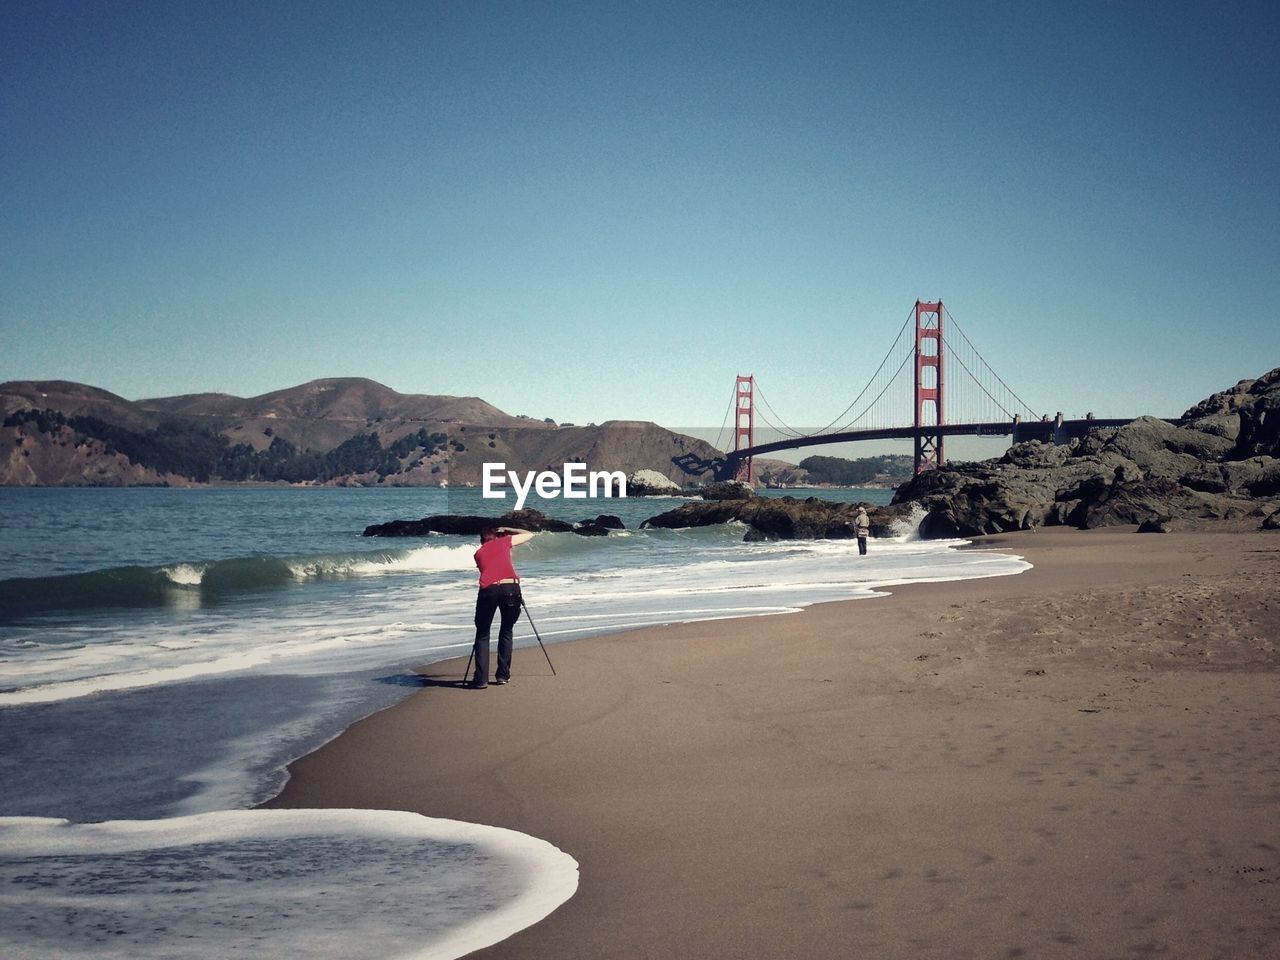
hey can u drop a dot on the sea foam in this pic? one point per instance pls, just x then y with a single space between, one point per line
272 883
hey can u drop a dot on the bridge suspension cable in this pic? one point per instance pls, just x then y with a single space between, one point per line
958 355
733 397
878 397
785 430
892 347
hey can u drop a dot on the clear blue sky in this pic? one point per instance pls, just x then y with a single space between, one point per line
592 210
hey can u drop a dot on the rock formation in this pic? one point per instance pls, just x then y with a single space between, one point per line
782 518
1220 462
470 526
599 527
651 483
727 490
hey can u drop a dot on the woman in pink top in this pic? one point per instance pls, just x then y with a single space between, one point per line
499 593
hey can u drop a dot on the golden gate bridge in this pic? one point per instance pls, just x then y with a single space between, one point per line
933 369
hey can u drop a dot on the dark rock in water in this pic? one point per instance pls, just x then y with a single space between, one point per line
535 521
1215 465
783 518
728 490
465 526
599 527
786 518
694 514
468 526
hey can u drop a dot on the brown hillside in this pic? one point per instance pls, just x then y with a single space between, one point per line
625 445
62 459
73 400
318 417
193 404
339 399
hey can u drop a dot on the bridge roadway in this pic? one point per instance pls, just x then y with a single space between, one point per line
1057 431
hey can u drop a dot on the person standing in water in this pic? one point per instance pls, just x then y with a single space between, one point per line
499 593
862 527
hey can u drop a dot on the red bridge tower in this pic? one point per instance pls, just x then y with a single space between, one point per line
928 385
744 434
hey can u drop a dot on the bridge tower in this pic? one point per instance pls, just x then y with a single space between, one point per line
744 425
928 386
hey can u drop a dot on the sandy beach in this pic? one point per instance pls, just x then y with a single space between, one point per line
1079 761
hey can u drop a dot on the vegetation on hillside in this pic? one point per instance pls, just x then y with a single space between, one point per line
202 454
855 473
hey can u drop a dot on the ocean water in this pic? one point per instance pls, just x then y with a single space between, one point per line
165 653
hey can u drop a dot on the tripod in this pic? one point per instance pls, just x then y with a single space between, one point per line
525 607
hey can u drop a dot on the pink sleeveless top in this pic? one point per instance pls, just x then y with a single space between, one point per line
494 560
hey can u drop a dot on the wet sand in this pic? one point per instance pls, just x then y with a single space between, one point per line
1079 761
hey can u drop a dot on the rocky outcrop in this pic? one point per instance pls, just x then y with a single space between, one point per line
599 527
650 483
1220 463
1248 414
782 518
727 490
470 526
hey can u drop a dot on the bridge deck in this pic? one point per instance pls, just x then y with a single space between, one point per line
1045 430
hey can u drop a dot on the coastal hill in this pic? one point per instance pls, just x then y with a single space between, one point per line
342 399
347 431
73 399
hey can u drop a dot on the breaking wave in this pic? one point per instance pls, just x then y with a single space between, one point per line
187 584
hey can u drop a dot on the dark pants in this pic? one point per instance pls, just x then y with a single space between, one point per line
862 546
504 599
